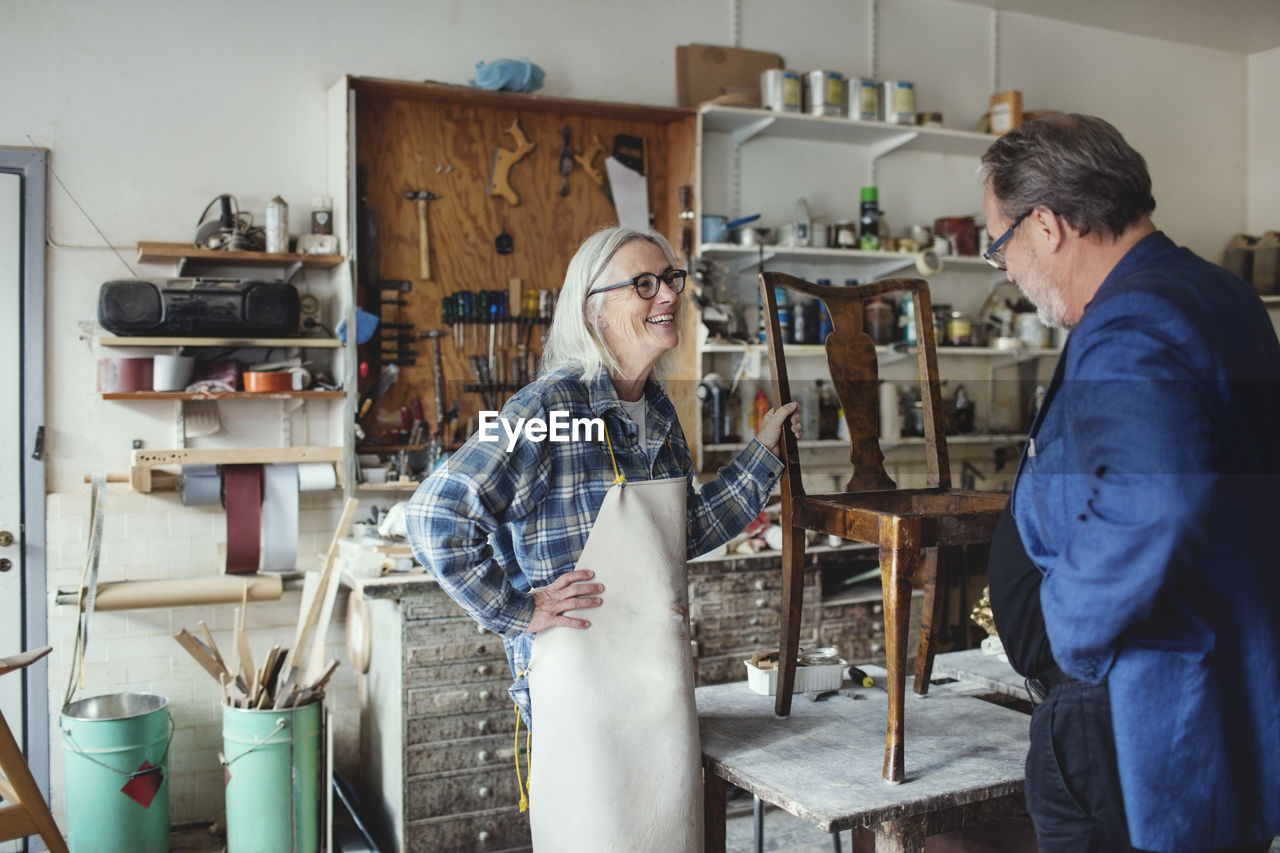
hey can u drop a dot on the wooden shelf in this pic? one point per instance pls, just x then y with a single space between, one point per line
186 253
820 350
143 341
230 395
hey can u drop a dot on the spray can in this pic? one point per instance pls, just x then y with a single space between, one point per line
277 228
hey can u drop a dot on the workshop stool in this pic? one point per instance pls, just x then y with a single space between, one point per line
24 812
904 523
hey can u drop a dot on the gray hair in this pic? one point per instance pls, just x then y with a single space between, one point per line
1078 166
574 339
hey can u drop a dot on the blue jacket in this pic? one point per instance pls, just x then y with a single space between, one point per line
1149 496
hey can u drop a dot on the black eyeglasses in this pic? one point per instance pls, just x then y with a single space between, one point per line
647 284
995 255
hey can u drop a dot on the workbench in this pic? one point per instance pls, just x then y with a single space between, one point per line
965 760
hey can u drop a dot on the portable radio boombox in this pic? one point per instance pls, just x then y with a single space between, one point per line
210 307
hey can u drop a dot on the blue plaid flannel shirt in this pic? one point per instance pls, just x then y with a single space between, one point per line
491 525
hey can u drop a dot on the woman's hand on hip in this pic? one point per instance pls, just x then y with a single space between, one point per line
567 592
771 426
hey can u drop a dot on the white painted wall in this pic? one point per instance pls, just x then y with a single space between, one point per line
152 109
1264 142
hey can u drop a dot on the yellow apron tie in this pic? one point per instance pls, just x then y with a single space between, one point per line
618 479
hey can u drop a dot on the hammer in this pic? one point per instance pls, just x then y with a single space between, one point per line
424 252
437 376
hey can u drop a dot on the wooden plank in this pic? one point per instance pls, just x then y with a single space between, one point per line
233 395
154 253
170 341
143 461
977 667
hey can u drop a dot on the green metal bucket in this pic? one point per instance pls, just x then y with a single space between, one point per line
272 762
116 749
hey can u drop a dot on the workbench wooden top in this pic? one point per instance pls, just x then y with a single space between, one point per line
822 764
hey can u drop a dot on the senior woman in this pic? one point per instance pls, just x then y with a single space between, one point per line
547 537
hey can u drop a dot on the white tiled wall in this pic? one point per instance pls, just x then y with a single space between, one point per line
133 651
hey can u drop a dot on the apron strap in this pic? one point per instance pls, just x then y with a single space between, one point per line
522 786
618 478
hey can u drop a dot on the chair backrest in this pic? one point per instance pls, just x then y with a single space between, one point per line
851 359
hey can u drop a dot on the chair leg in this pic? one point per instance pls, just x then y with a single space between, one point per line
14 764
931 618
899 556
792 605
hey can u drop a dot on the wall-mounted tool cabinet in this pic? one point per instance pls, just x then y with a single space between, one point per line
493 223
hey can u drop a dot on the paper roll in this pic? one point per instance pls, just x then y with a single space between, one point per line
128 595
201 485
124 375
280 518
316 476
928 262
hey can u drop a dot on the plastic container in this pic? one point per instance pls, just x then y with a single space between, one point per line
272 762
809 679
116 749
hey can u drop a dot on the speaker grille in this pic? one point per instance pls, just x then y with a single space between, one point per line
129 306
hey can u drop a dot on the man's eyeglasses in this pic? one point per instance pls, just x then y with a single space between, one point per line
995 254
647 284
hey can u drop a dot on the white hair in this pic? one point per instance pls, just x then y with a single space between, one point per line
574 339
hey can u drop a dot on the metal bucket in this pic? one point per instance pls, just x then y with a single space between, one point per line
272 762
116 750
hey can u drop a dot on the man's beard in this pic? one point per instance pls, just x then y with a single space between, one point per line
1051 304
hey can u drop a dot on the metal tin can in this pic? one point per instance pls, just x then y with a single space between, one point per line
277 228
780 90
862 99
824 93
898 101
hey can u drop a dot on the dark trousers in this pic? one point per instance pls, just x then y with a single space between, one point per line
1073 784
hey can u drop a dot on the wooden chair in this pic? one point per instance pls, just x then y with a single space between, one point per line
902 522
24 812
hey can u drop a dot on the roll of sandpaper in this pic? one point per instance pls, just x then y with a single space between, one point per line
128 595
201 485
280 518
242 497
124 375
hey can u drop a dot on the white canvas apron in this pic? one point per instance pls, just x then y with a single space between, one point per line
616 759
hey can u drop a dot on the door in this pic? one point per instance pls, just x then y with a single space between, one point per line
23 697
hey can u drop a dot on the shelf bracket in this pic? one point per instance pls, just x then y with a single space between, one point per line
743 264
181 267
891 144
746 132
892 266
290 271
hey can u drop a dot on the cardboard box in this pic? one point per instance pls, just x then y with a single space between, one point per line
1006 111
705 72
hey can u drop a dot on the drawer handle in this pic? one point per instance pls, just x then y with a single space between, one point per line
761 603
482 755
480 629
483 791
480 650
877 609
753 621
481 725
482 669
877 626
482 835
485 695
758 585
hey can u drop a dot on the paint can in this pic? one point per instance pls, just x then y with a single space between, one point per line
898 101
862 99
780 90
824 93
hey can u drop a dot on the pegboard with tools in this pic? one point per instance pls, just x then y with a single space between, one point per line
470 205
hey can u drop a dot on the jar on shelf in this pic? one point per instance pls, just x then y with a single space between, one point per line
959 329
878 321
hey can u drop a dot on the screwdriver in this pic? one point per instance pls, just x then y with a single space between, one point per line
446 310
